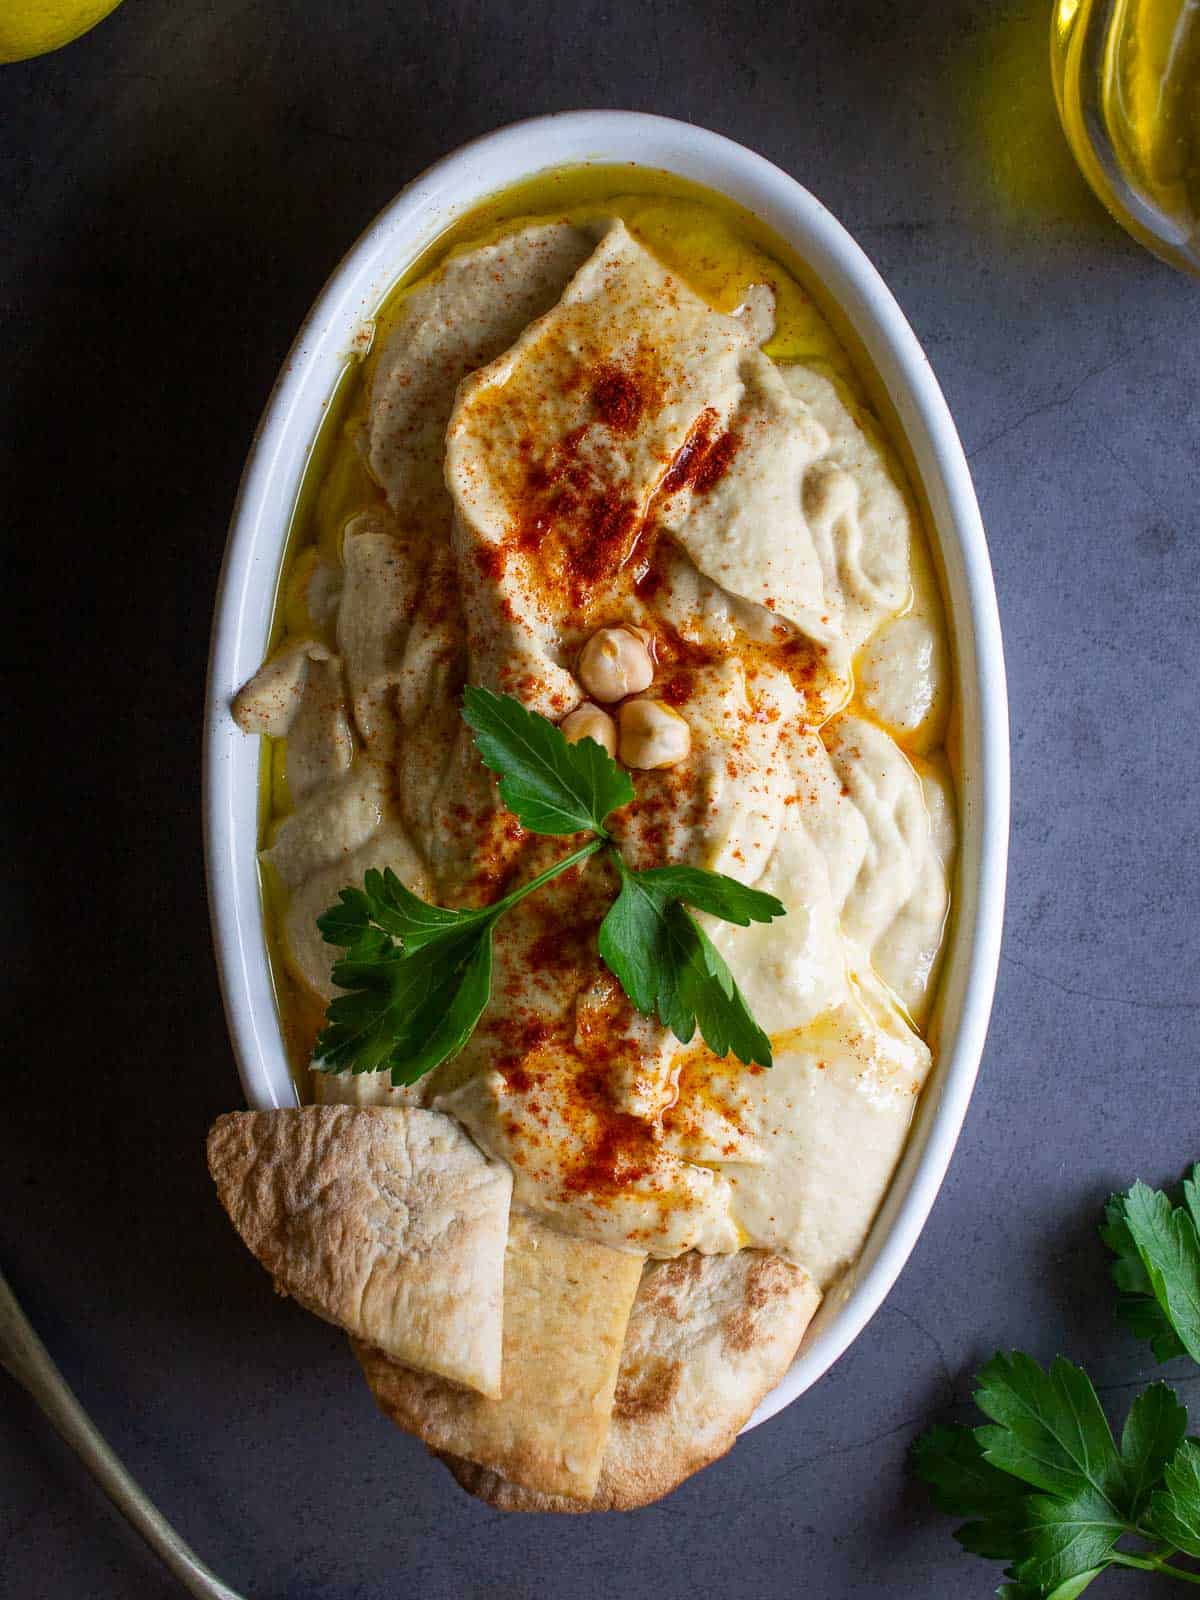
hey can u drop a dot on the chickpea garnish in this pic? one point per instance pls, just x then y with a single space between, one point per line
615 662
652 735
589 722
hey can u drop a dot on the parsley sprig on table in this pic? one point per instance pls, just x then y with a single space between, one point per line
418 976
1157 1269
1044 1485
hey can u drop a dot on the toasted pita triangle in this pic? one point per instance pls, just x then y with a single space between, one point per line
387 1221
566 1305
708 1337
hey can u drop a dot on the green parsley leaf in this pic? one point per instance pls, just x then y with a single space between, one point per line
1068 1590
712 892
1069 1541
348 922
418 977
1175 1508
1072 1587
415 922
383 905
1075 1586
550 785
460 1017
1050 1429
406 1013
1157 1269
1153 1431
667 964
965 1484
1052 1543
697 990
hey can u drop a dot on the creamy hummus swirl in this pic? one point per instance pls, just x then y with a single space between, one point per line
566 436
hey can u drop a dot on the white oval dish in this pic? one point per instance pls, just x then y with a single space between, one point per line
271 483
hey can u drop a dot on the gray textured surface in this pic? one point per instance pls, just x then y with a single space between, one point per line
177 186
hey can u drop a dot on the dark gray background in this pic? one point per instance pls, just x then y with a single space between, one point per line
176 186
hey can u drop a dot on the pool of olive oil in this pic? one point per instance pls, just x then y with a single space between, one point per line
1127 80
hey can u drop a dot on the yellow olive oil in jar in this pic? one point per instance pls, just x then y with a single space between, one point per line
1127 81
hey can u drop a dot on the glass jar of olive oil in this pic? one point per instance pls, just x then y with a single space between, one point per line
1127 81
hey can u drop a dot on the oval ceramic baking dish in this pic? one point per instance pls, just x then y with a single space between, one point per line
268 494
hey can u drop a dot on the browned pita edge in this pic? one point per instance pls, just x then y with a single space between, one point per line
708 1337
388 1221
566 1307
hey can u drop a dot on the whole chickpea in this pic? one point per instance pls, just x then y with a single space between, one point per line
589 722
652 735
615 662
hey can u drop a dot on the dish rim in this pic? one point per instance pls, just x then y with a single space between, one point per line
257 539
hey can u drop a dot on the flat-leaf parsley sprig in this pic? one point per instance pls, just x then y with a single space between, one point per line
418 976
1044 1485
1157 1270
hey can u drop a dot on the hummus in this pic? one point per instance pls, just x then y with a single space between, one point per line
563 431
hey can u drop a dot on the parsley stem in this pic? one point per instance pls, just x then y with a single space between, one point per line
544 877
1154 1564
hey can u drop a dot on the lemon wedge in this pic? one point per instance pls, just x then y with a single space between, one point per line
33 27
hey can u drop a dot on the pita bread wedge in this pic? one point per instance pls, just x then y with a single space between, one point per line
388 1222
566 1306
707 1339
